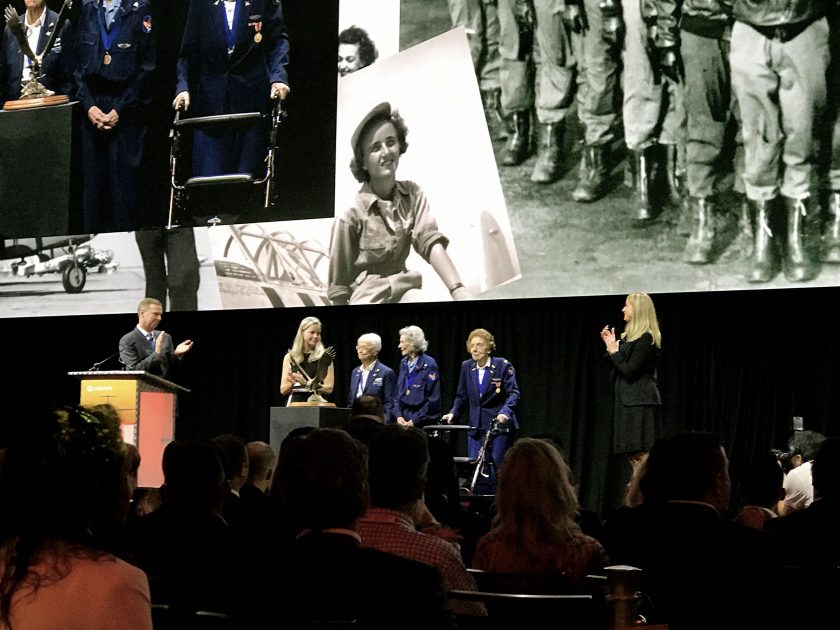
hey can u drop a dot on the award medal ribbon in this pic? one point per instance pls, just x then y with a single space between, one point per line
257 26
108 37
409 379
229 30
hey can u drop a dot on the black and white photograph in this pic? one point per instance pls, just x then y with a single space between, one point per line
367 30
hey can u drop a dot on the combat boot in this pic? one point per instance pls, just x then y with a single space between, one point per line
831 237
518 143
547 167
798 264
743 245
674 176
496 123
766 256
698 249
643 165
593 174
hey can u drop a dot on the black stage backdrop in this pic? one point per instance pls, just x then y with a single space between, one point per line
737 363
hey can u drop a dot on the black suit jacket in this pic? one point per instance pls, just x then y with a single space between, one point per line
329 577
136 353
634 371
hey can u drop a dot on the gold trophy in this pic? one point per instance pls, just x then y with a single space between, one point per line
34 94
313 382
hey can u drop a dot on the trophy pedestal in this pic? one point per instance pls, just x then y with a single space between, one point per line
283 420
30 103
312 404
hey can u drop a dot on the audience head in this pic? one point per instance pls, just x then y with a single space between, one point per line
322 480
234 458
132 466
688 467
825 470
398 460
356 50
260 462
368 406
364 428
535 497
762 483
194 479
63 480
803 446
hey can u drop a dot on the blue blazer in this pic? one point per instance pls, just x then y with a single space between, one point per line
380 383
222 83
54 67
122 83
501 393
418 398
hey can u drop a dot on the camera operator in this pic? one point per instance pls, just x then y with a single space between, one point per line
799 489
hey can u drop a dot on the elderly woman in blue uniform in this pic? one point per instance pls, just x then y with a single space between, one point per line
115 56
487 386
372 377
233 60
372 239
417 394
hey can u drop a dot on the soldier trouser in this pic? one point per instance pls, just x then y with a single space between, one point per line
833 118
597 80
710 111
480 19
653 108
554 84
170 263
781 93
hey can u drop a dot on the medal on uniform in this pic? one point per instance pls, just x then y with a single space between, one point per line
108 36
498 390
257 28
407 392
258 37
107 59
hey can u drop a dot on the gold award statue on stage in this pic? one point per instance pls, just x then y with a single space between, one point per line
313 382
34 94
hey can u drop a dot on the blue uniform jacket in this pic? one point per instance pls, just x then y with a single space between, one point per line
222 83
53 74
121 84
500 395
380 383
421 404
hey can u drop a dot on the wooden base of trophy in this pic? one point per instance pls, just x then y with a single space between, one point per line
29 103
311 404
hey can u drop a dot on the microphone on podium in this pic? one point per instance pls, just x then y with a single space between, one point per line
95 367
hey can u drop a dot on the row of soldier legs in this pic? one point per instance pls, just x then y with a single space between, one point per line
730 145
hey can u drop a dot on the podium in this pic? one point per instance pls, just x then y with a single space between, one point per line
146 405
40 172
283 420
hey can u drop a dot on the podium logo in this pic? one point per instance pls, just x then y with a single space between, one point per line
99 388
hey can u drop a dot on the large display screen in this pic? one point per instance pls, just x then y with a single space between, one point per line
458 224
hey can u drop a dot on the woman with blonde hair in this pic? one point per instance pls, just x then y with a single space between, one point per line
300 365
634 360
534 530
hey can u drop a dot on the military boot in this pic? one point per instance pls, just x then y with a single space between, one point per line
743 245
798 264
831 236
698 249
674 176
766 256
594 172
518 143
496 123
547 167
643 165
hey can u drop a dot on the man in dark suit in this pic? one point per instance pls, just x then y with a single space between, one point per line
233 60
372 377
325 575
40 23
148 349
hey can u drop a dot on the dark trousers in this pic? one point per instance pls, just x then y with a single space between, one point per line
228 151
170 263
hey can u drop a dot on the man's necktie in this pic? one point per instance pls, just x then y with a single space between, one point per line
151 339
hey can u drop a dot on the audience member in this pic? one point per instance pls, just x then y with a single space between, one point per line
63 495
234 458
534 529
698 567
398 461
761 490
799 489
368 406
326 575
254 513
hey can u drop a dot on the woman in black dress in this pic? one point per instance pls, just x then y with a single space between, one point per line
300 365
634 359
